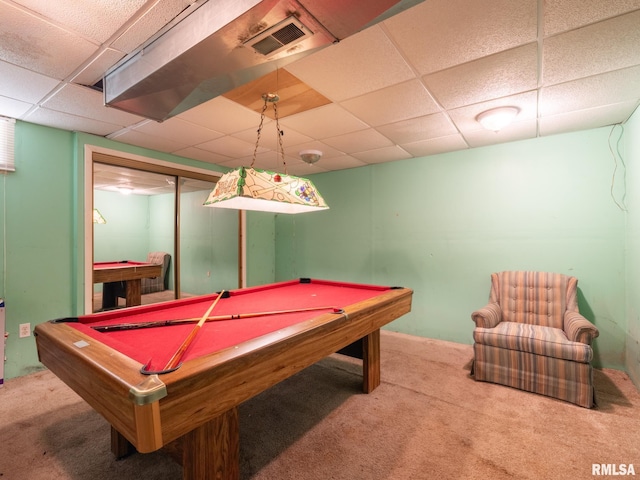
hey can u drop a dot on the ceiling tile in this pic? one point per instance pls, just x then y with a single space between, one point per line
148 141
599 48
39 46
340 162
237 162
202 155
357 65
230 147
304 170
519 130
587 119
465 117
416 129
23 84
95 70
324 122
608 88
496 76
87 102
434 146
384 154
391 104
222 115
294 95
149 23
327 151
563 15
270 160
439 34
95 20
269 136
358 141
73 123
13 108
178 130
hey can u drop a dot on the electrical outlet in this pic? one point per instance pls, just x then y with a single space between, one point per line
25 330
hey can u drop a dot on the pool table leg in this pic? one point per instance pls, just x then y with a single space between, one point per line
133 292
120 446
371 361
211 451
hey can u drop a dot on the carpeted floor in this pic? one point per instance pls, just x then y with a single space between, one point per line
428 419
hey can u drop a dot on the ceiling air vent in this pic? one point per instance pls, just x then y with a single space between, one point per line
282 35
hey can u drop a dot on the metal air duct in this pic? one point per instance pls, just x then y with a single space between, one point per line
223 44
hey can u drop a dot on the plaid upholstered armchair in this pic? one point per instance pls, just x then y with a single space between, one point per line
531 336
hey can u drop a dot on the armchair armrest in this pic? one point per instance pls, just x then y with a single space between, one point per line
488 316
578 328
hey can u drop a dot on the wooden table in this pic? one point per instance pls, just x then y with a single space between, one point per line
125 276
193 411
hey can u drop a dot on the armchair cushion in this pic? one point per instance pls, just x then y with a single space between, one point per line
537 298
546 341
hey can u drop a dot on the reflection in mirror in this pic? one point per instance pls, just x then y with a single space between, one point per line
208 242
133 250
146 253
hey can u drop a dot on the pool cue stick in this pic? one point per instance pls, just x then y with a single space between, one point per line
175 360
165 323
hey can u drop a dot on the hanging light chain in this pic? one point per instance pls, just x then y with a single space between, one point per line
255 150
280 135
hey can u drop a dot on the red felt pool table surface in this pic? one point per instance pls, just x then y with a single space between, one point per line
229 361
157 345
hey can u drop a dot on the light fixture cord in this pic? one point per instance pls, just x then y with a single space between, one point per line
255 150
280 135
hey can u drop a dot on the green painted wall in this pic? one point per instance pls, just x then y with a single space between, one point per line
42 231
442 224
38 242
631 156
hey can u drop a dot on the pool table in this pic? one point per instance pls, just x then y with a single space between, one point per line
130 273
192 412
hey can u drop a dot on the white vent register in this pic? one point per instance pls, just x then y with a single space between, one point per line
282 36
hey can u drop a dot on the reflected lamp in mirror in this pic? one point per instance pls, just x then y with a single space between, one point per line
97 217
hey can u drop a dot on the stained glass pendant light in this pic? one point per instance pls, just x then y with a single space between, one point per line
262 190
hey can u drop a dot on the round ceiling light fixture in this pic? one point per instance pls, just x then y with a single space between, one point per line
310 156
497 118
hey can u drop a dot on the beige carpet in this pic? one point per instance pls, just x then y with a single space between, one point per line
428 419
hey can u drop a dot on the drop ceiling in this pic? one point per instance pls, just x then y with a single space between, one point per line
129 181
408 86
